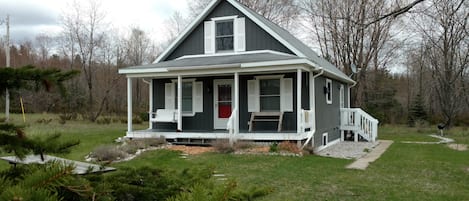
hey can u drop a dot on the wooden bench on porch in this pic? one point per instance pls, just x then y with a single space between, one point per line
266 117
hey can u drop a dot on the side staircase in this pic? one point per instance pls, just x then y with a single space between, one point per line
359 123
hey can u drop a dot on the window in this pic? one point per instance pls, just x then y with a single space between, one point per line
192 96
325 139
328 91
224 36
269 96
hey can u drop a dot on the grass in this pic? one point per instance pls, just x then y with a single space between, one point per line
404 172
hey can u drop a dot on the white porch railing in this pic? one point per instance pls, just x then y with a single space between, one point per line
306 120
230 125
360 122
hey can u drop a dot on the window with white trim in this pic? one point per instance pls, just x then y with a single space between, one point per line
328 91
224 36
269 95
325 139
186 97
192 96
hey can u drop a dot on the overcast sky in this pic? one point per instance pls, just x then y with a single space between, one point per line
29 18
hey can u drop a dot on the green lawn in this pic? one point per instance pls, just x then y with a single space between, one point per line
404 172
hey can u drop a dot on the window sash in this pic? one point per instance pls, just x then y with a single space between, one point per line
269 94
224 35
187 97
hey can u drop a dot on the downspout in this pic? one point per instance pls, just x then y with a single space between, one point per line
313 105
349 95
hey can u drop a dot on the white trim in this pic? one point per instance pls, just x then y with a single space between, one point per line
328 144
206 72
299 123
329 101
233 53
187 30
146 70
179 102
232 17
236 102
244 65
263 77
150 102
217 82
129 104
341 96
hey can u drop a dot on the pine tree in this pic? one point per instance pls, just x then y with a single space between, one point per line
12 137
417 110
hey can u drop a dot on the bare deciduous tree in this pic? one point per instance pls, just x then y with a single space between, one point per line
333 24
84 27
443 25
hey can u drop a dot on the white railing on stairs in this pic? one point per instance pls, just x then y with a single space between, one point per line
230 125
360 122
306 120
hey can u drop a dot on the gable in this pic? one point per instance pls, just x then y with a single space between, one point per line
256 37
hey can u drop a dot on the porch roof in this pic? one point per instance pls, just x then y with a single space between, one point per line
215 60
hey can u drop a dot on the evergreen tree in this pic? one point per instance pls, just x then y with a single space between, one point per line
12 137
417 110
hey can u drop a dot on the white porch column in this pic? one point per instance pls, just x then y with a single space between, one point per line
150 103
179 91
129 105
299 124
236 102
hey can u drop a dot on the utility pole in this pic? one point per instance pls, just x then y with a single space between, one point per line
7 54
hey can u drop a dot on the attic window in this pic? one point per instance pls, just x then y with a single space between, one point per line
224 38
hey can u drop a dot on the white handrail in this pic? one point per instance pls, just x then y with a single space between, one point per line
362 123
230 125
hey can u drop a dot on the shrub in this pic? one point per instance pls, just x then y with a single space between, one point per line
154 142
289 147
239 145
223 146
107 153
273 147
144 116
104 120
139 144
129 148
43 121
309 150
136 120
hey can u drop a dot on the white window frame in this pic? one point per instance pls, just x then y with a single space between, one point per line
239 35
324 142
222 19
286 93
185 114
275 95
329 92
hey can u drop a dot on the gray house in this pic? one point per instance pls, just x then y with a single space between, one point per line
232 74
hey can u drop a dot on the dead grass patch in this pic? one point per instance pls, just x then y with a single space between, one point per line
458 147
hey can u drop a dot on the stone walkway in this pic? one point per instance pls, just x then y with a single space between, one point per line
363 162
348 150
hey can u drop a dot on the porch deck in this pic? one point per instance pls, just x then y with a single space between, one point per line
218 134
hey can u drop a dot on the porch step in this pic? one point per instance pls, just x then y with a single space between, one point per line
266 117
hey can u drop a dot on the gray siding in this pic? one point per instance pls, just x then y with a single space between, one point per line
327 116
256 37
204 121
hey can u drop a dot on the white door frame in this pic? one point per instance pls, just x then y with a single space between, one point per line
221 123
